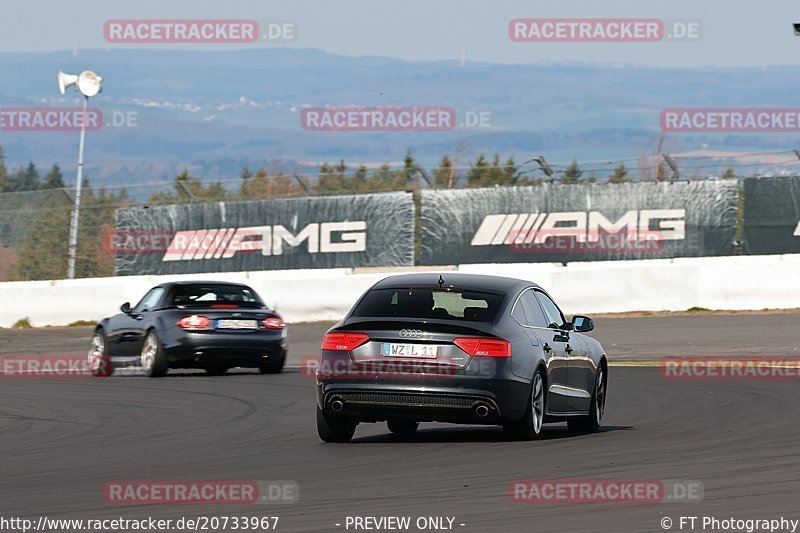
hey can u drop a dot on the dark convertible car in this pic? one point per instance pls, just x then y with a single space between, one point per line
459 348
193 324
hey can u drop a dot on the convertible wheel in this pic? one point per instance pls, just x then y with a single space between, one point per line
154 362
334 428
530 426
403 427
216 370
591 422
99 362
273 365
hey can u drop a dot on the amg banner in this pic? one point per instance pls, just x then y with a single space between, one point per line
579 222
309 232
772 215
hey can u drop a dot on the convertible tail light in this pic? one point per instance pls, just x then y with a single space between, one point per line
482 347
194 322
343 342
273 322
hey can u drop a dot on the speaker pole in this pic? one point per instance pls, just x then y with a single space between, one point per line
88 84
73 224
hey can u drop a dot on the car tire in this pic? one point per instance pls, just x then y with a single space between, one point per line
591 422
273 365
153 359
529 427
335 428
99 363
403 427
216 370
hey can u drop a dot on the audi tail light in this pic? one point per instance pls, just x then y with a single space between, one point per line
194 322
484 347
343 342
274 323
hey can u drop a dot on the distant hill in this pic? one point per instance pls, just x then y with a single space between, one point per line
214 111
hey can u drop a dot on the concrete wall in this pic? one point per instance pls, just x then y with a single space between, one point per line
729 283
746 283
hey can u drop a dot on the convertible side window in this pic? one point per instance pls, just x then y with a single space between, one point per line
150 300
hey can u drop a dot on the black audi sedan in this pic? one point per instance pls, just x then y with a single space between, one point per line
459 348
192 324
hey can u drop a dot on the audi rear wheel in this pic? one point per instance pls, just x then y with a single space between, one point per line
530 426
335 428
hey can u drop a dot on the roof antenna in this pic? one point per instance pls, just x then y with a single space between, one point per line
441 281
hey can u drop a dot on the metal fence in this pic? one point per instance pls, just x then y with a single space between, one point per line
34 225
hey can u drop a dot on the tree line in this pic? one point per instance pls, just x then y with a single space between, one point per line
340 178
34 226
27 177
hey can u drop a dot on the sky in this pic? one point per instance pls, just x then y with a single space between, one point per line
734 32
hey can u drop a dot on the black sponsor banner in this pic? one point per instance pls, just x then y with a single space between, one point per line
579 222
772 215
309 232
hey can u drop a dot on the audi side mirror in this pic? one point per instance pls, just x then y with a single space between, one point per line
582 324
125 308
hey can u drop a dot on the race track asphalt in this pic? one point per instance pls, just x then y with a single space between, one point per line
62 440
624 338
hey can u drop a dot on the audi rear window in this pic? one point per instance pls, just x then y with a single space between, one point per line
467 305
213 295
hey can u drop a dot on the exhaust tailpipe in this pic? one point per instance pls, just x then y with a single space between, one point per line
337 404
482 410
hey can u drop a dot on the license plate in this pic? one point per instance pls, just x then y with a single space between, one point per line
234 323
423 351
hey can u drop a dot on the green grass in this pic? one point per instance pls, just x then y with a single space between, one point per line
698 310
81 323
22 323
